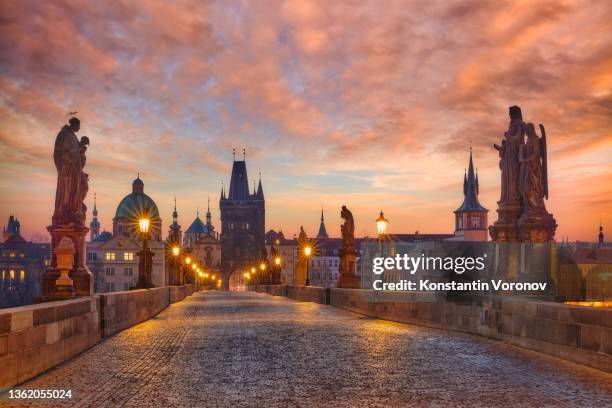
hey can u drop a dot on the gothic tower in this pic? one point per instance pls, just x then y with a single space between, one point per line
601 234
243 218
471 217
175 235
94 226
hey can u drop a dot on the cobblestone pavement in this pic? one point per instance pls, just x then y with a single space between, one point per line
219 349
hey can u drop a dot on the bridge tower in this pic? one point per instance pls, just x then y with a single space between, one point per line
243 218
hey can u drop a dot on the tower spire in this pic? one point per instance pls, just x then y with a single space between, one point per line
322 230
244 154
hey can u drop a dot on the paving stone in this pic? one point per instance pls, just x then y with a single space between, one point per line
220 349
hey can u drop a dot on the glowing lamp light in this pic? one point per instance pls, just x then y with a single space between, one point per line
277 260
253 270
194 267
143 223
307 251
262 266
381 224
176 250
188 260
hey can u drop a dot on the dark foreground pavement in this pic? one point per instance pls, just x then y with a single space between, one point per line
248 349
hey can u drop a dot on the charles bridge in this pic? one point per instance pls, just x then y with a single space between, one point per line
304 346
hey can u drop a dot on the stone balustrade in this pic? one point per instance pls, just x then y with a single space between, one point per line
35 338
575 333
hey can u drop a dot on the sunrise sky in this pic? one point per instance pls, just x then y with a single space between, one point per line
369 104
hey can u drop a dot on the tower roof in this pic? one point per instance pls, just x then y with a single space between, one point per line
322 231
239 184
197 227
470 190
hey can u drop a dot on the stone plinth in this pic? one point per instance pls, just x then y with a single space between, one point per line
79 273
537 228
347 277
505 228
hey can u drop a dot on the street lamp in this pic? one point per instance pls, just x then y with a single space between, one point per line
381 227
144 273
176 252
307 252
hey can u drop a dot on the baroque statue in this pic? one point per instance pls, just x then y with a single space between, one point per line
509 156
533 181
522 215
347 229
347 277
72 182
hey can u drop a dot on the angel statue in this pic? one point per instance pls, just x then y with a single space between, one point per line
533 177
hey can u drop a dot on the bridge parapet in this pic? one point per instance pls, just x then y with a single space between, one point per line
38 337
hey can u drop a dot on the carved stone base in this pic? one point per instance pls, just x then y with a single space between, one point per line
347 277
537 228
505 228
80 274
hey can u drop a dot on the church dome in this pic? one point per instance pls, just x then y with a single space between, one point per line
137 205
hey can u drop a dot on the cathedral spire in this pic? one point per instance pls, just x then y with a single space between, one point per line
601 234
322 230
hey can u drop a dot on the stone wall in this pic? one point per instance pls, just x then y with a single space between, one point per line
308 294
575 333
37 337
121 310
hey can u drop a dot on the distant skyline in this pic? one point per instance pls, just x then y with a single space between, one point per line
337 103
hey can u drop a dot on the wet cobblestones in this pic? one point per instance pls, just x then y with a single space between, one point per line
221 349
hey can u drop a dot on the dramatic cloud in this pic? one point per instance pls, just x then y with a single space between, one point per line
347 102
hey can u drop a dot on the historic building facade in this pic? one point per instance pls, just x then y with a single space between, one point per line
22 264
113 259
471 217
243 217
203 242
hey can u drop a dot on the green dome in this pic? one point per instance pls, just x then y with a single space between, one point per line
136 205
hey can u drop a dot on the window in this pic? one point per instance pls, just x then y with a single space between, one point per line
22 275
128 256
459 222
128 272
475 222
12 254
110 256
126 286
110 271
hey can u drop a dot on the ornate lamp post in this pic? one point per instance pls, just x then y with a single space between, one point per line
176 252
277 271
307 253
144 270
264 278
381 227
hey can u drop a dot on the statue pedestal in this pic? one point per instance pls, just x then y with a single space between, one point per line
347 278
537 228
505 228
55 286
